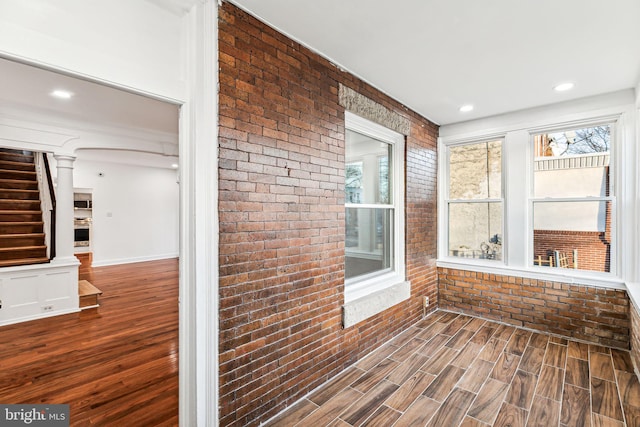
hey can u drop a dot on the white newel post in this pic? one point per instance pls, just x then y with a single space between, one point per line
64 208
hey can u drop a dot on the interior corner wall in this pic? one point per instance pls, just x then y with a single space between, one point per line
587 313
281 209
135 211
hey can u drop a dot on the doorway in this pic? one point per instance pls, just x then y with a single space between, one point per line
114 134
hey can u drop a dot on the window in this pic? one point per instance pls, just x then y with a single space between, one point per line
572 206
549 198
374 225
474 201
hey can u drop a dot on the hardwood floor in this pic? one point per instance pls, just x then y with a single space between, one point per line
454 370
116 365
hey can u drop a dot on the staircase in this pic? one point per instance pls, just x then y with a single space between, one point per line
22 238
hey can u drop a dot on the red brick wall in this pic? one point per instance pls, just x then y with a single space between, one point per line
587 313
281 206
594 250
635 336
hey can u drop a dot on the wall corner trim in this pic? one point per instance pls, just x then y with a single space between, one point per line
358 310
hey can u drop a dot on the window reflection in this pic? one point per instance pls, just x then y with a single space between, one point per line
369 229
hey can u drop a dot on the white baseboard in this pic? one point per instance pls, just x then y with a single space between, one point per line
104 263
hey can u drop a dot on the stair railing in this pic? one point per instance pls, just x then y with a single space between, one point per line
48 200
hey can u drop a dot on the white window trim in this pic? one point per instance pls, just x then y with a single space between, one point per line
443 242
360 292
614 125
517 149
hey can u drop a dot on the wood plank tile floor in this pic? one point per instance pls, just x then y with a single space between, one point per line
455 370
116 365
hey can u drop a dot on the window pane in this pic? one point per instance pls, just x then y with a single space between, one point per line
475 230
572 163
368 168
369 241
475 171
579 230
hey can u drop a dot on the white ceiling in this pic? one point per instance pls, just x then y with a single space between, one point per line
431 55
27 88
499 55
94 109
177 7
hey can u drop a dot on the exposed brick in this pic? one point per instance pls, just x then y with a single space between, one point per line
576 311
281 207
593 248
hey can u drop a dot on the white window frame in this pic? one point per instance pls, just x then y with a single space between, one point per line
518 129
362 286
448 201
533 200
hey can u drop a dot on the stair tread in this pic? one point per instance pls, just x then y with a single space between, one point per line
86 288
16 162
22 248
20 211
26 157
18 223
23 261
7 182
19 190
19 172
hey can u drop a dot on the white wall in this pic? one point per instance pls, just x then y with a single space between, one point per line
636 189
135 211
132 43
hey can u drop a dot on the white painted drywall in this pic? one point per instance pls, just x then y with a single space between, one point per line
132 43
135 211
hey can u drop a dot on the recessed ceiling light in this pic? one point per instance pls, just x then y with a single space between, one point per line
466 108
174 165
562 87
62 94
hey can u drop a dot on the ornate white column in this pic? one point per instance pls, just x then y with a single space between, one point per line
64 208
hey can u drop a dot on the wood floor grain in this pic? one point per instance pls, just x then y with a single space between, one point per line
577 372
114 365
489 400
575 407
544 412
453 409
452 370
409 391
522 389
551 382
511 416
532 360
369 403
604 398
